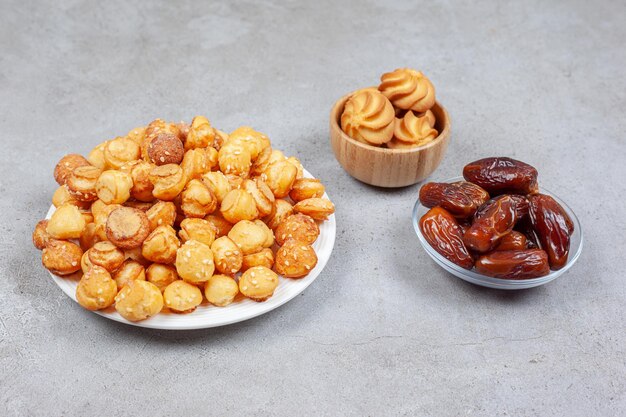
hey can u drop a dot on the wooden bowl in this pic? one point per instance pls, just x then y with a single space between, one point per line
386 167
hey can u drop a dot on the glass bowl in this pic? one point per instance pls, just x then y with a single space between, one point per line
576 245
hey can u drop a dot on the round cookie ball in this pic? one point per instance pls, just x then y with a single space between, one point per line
139 300
258 283
96 289
221 290
182 297
194 262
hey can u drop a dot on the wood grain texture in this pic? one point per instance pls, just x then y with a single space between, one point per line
384 167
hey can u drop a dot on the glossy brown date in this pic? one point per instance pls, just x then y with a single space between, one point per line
513 241
491 224
443 233
514 264
553 228
501 175
461 198
520 202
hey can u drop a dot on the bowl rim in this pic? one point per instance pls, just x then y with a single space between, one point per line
485 280
339 105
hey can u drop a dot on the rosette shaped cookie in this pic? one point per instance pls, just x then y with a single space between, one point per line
412 130
408 89
368 117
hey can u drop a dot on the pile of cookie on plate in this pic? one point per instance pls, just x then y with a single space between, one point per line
173 213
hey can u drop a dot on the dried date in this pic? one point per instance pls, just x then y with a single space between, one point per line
520 202
501 175
443 233
491 224
553 228
514 264
460 198
513 241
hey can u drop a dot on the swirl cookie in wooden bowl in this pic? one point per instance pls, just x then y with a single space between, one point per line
392 135
182 218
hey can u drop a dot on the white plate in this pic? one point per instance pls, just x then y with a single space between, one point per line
207 315
576 246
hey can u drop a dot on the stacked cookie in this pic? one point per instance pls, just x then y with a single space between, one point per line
395 115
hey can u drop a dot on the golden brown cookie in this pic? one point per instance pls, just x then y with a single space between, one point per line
161 245
168 181
81 184
265 258
249 236
127 227
221 290
41 237
255 142
106 255
129 271
226 255
113 187
262 195
201 134
414 129
96 156
279 177
258 283
198 162
217 183
96 289
408 89
280 211
235 158
182 297
161 275
165 148
163 213
197 229
61 257
119 151
317 208
66 165
66 222
194 262
139 300
305 188
197 200
222 226
142 186
295 259
297 226
368 117
239 205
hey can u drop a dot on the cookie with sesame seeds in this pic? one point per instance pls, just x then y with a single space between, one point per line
182 297
66 165
194 262
221 290
258 283
295 259
96 289
139 300
227 255
165 148
61 257
299 227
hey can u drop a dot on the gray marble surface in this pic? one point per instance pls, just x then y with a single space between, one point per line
383 331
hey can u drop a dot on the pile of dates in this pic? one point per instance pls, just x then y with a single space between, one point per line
497 221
